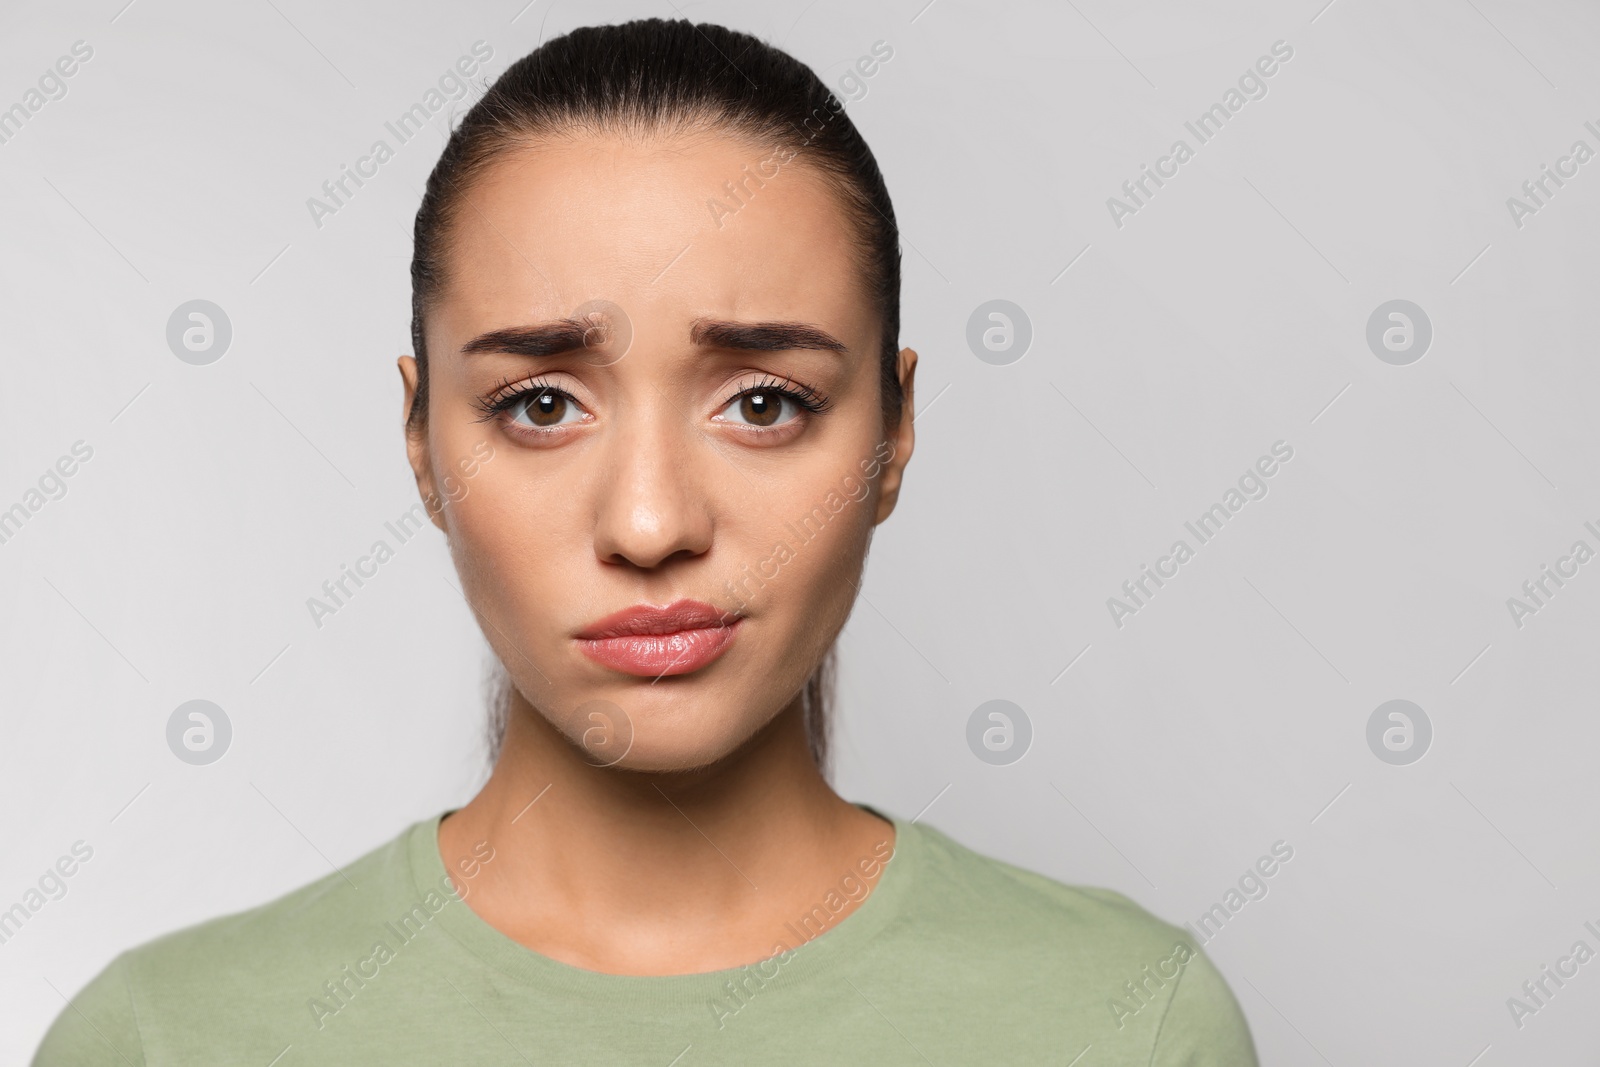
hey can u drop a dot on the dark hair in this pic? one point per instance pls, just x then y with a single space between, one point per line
675 76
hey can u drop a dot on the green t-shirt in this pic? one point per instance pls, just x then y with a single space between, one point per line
954 958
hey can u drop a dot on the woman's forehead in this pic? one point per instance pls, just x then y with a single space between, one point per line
726 225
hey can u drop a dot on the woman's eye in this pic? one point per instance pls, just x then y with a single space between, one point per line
544 409
762 408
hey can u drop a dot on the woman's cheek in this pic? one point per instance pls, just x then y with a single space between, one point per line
833 553
489 543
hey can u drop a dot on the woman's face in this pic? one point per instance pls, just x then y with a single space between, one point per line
705 427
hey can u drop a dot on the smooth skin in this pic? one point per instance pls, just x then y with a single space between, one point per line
715 830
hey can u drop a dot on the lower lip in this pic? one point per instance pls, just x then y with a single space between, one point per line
660 655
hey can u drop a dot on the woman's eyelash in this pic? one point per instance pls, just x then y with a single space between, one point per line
801 393
510 393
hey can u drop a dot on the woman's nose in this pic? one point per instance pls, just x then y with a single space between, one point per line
653 495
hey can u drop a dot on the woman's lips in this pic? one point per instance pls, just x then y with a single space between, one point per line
655 642
658 655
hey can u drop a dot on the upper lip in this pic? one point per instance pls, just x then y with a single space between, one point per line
646 619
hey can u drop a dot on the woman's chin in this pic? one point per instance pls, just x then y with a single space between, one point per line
660 728
662 745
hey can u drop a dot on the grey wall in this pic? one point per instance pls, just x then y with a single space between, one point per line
1170 348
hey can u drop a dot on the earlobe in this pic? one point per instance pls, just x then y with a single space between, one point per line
902 439
417 452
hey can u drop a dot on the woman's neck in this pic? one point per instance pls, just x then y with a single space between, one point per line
649 873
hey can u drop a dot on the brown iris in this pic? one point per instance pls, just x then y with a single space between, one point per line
761 409
546 409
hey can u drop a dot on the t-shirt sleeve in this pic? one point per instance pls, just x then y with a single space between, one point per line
97 1027
1203 1026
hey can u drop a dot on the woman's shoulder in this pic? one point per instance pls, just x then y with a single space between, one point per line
312 914
234 954
957 876
1077 949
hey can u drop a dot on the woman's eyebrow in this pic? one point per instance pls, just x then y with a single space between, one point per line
762 336
566 335
543 339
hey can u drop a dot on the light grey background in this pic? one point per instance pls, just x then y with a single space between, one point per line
1168 354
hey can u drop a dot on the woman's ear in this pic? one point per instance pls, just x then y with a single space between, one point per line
902 440
417 451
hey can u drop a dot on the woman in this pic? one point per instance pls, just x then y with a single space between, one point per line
657 408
